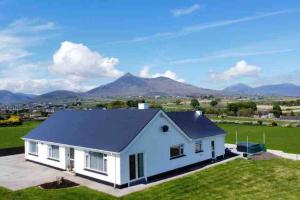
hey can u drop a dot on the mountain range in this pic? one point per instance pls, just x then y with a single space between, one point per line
130 85
285 89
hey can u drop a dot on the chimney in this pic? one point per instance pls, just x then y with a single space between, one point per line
198 113
143 106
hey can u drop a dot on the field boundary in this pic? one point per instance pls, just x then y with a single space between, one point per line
12 151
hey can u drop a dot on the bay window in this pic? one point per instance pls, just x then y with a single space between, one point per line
96 161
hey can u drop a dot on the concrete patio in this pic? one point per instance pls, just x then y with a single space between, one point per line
17 174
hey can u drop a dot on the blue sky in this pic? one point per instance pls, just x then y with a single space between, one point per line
75 45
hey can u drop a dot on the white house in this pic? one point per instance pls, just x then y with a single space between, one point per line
124 146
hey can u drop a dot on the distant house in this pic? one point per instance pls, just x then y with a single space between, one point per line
124 146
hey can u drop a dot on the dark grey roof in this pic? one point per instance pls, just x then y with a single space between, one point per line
195 126
110 130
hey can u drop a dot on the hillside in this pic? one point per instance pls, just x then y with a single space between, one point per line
130 85
285 89
7 97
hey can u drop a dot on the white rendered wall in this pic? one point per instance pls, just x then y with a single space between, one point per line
43 155
113 167
156 144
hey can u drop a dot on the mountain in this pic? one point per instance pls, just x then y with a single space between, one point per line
285 89
57 95
7 97
130 85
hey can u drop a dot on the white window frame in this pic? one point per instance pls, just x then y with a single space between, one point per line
181 150
87 162
198 143
50 152
36 148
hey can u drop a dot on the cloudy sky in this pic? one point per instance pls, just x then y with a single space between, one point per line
75 45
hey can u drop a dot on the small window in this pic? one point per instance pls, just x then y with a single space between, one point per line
176 151
198 147
96 161
33 148
53 152
165 128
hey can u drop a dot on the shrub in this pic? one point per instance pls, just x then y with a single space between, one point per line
11 121
195 103
277 110
259 122
274 123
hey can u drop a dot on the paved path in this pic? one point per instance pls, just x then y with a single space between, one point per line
16 174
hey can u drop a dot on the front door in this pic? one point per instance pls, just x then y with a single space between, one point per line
213 155
71 155
136 166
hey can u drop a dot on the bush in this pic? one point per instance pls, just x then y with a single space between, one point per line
259 122
277 110
116 104
195 103
274 123
11 121
213 103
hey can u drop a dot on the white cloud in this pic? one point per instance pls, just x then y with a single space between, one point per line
40 86
145 73
185 11
16 37
29 26
201 27
232 54
78 61
241 69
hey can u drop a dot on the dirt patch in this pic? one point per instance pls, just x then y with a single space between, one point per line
58 184
263 156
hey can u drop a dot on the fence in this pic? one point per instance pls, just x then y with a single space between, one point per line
282 154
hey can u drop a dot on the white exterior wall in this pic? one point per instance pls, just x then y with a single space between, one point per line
113 167
156 144
113 161
43 155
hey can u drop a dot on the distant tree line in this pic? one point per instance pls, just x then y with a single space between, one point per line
247 108
127 104
288 103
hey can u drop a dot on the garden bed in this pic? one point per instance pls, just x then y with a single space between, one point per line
58 184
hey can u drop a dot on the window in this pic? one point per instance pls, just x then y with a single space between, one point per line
176 151
198 147
33 148
96 161
53 152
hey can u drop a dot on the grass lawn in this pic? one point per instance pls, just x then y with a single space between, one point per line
11 136
238 179
286 139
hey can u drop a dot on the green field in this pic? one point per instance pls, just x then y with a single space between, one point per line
286 139
238 179
11 136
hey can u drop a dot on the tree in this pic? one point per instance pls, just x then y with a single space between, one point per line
277 110
178 101
131 103
245 112
233 107
116 104
195 103
213 103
